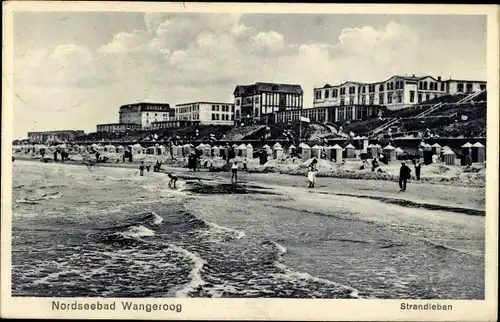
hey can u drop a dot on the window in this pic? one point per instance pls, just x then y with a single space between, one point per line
363 99
232 109
420 85
327 93
482 87
412 96
342 102
237 101
213 117
372 98
257 100
427 97
381 99
469 88
363 89
460 87
335 93
442 87
232 117
400 98
381 88
318 95
431 86
389 99
256 112
237 113
419 98
213 107
425 86
397 85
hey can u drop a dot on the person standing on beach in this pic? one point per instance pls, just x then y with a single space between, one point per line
311 174
245 165
234 175
418 167
141 168
404 175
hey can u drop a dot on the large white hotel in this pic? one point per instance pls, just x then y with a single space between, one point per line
395 93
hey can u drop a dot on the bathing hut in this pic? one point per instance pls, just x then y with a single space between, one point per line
200 147
330 153
249 151
306 152
277 151
436 148
316 151
150 150
373 148
120 149
216 151
161 149
291 149
137 149
427 153
173 150
267 148
389 152
365 144
242 150
399 151
466 153
338 153
180 151
449 157
186 149
110 148
478 152
349 151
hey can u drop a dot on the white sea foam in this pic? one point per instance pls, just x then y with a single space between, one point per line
138 232
291 274
157 219
195 274
237 234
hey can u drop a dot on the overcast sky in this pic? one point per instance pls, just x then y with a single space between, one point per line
74 70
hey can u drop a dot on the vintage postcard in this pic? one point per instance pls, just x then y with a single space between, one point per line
218 161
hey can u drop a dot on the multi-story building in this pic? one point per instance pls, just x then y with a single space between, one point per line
117 127
144 114
172 124
215 113
43 137
395 93
329 114
259 99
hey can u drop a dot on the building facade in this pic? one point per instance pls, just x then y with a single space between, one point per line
144 114
253 101
395 93
43 137
117 127
330 114
172 124
215 113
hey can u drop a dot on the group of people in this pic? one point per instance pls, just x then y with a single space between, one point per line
156 168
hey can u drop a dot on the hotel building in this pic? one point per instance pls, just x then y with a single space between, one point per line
53 136
117 127
395 93
213 113
144 114
253 101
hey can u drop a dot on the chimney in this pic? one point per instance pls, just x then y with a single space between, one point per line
439 78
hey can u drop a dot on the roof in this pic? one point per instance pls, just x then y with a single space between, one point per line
118 124
144 106
241 90
219 103
465 81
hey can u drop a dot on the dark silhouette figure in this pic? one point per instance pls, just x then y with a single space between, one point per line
404 175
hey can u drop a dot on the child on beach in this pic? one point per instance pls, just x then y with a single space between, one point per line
245 165
141 168
311 174
173 180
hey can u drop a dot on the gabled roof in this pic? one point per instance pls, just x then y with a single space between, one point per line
267 87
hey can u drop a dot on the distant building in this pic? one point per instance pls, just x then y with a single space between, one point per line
172 124
259 99
395 93
215 113
43 137
117 127
144 114
330 114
